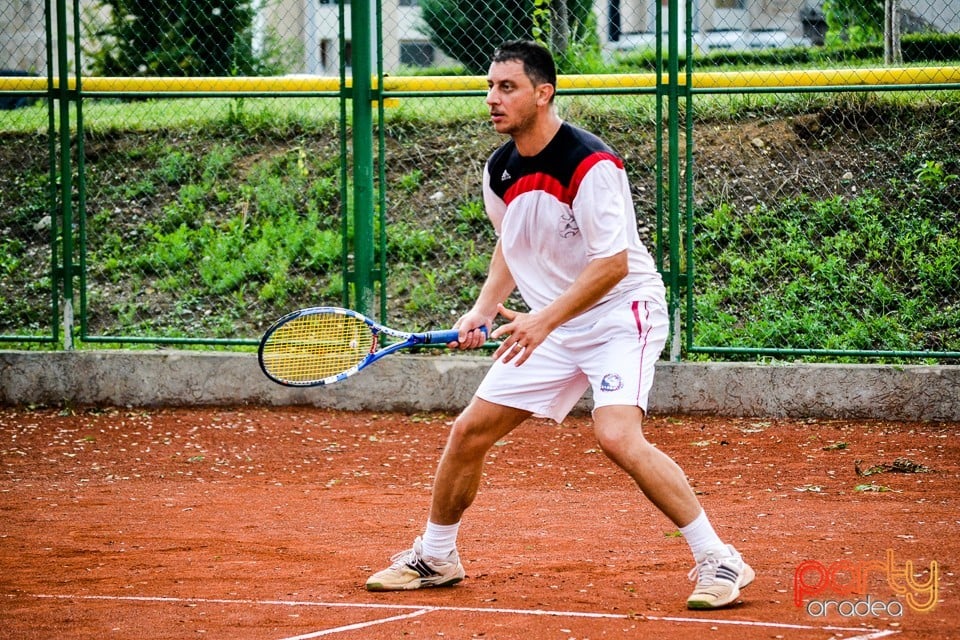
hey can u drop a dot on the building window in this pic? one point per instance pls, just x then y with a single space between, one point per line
329 54
409 3
416 54
326 54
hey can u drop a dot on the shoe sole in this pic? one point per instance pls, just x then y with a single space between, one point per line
745 579
412 585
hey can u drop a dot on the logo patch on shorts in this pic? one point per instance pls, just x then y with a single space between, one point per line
611 382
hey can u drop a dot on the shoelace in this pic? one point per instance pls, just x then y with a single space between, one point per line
706 571
402 558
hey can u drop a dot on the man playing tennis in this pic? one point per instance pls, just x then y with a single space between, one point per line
559 200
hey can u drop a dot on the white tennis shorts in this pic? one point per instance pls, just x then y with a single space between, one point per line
615 357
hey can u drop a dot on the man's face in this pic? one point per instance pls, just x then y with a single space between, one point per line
512 98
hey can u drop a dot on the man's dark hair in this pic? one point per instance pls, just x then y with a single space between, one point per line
537 60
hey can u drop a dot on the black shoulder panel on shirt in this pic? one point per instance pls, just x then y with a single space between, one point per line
558 160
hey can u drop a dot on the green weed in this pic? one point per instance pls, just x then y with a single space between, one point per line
933 176
175 167
11 251
410 181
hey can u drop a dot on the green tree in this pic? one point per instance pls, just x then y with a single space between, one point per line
856 21
470 31
176 38
569 29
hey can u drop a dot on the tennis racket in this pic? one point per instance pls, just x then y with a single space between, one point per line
322 345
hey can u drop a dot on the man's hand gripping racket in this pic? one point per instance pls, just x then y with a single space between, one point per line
321 345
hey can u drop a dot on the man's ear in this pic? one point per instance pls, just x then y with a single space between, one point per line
545 93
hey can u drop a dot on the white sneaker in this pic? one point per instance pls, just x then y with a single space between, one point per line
412 570
720 574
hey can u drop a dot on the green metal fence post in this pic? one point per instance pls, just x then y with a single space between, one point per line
658 149
363 197
380 273
51 198
66 178
81 173
689 265
343 133
673 172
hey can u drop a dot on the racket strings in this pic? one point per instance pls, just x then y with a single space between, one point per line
317 346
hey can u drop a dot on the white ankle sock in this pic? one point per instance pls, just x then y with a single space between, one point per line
700 535
440 540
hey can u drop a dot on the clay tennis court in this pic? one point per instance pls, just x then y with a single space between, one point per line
263 523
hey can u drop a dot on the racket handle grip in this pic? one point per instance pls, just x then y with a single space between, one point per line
450 335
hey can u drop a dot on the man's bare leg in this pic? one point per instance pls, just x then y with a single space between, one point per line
433 561
720 572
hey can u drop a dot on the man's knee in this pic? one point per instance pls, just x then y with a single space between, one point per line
476 429
619 427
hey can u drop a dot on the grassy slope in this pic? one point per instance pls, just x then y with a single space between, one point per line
819 223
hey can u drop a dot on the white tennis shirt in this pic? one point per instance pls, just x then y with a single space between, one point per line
556 211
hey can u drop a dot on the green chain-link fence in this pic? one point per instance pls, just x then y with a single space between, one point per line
187 171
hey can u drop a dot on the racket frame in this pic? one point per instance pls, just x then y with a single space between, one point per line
404 340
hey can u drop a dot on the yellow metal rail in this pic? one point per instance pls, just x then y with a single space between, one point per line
900 76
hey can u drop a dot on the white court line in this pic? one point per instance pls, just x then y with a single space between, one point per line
417 610
360 625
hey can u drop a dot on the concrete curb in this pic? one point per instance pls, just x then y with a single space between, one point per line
435 382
